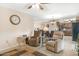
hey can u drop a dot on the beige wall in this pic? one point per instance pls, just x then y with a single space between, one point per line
9 32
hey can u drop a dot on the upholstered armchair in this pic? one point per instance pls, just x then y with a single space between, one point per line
34 40
21 43
55 44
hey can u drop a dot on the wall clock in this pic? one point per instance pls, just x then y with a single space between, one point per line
15 19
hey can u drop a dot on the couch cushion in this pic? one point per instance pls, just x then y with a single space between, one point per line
58 35
51 43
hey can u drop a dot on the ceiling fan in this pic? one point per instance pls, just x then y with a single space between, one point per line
36 5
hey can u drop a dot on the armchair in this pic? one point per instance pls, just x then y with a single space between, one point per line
34 40
55 44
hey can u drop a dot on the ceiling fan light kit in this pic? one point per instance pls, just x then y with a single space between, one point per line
35 5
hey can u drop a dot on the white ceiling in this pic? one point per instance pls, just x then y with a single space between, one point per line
51 10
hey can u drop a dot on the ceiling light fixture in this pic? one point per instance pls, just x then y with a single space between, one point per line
36 5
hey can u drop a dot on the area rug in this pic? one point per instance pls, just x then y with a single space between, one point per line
7 52
36 53
16 52
13 53
19 53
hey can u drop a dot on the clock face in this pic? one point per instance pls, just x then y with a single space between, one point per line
14 19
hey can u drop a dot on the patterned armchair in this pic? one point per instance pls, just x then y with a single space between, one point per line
34 40
55 44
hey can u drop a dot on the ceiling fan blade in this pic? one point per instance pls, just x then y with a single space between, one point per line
29 7
44 3
41 7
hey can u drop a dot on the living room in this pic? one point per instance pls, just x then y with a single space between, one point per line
39 29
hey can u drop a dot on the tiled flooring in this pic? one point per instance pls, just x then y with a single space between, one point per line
69 49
